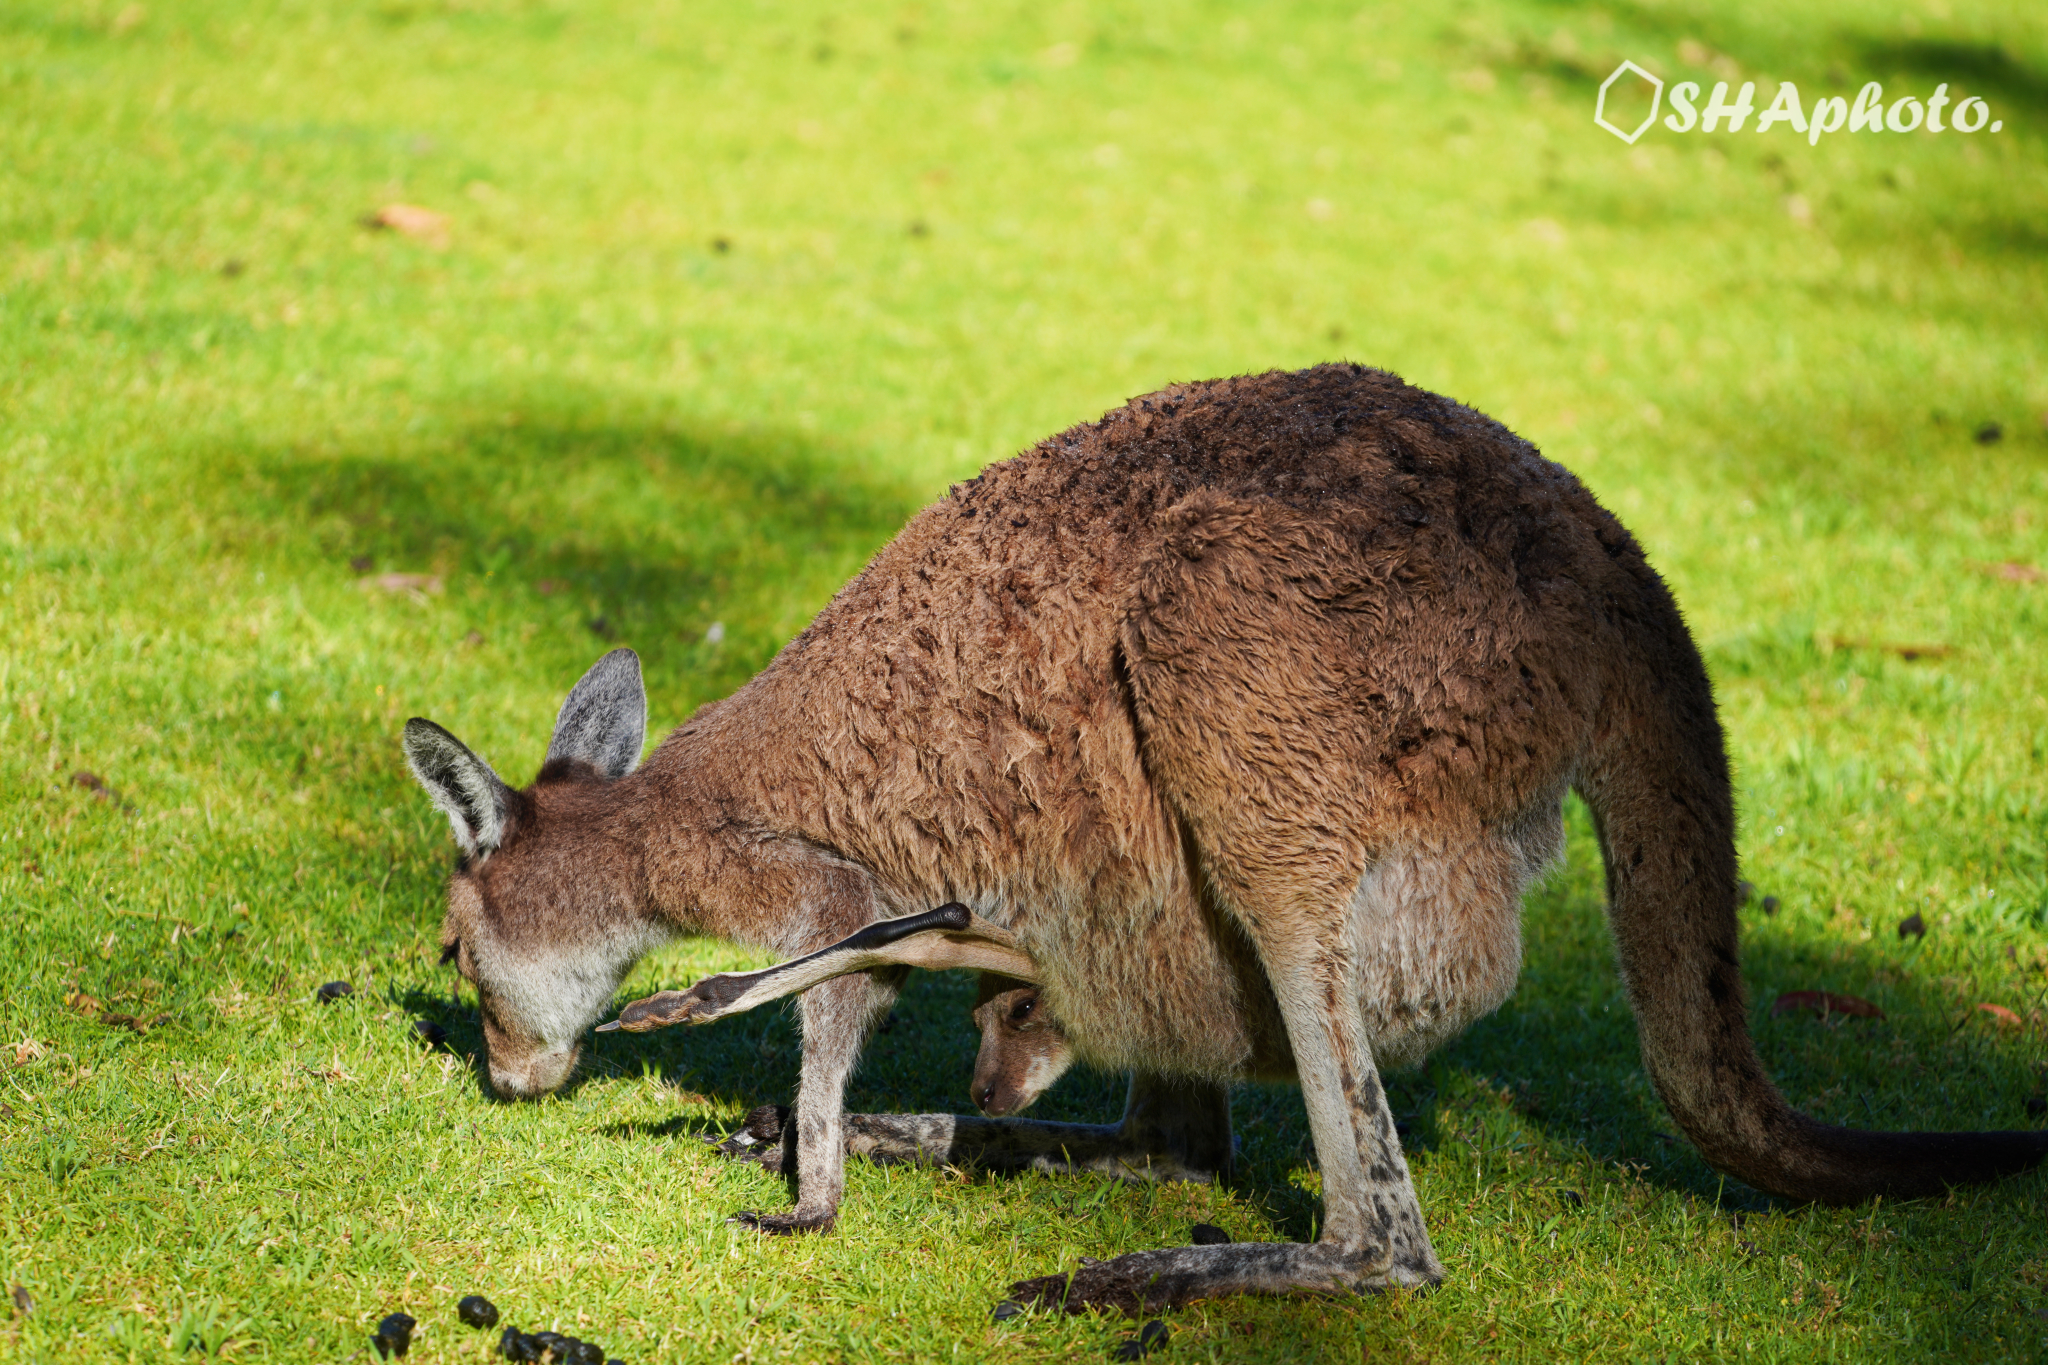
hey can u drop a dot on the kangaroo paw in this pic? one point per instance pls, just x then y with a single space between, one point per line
656 1011
783 1224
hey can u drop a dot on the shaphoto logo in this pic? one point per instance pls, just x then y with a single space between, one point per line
1867 113
1656 100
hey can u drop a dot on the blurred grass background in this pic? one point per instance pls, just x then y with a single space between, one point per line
716 299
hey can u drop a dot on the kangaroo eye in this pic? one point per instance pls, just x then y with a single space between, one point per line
1022 1011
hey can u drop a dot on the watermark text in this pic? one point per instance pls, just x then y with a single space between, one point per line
1867 112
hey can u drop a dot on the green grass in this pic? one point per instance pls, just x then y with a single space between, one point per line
950 229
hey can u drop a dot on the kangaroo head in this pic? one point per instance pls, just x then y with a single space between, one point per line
1023 1050
539 908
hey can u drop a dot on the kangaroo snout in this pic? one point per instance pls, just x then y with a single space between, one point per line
524 1067
534 1075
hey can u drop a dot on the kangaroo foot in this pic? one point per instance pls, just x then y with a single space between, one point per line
783 1224
1147 1281
767 1137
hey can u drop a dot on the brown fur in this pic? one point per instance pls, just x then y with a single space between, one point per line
1248 710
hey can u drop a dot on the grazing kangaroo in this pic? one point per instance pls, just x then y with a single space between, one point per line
1246 713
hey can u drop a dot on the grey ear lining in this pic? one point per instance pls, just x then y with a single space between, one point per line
461 784
603 721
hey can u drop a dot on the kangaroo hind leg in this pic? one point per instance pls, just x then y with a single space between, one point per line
1373 1235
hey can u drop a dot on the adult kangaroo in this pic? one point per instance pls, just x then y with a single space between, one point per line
1245 715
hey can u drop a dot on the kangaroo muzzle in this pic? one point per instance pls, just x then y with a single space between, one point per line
534 1075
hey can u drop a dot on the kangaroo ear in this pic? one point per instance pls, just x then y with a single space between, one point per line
463 785
604 721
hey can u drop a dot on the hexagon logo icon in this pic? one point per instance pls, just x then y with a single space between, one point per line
1656 101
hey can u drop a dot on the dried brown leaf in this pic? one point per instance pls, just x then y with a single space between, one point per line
416 585
412 221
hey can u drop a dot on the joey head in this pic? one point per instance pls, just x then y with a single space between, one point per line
1022 1050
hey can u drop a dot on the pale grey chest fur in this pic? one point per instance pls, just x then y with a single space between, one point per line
1438 931
1435 937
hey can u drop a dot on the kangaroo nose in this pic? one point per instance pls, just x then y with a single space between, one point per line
986 1097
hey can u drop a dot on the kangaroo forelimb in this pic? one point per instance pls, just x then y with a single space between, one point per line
951 936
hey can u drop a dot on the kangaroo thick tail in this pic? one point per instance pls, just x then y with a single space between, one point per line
1658 785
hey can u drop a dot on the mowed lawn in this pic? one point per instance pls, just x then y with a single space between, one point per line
713 299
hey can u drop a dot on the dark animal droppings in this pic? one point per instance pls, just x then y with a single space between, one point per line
1989 432
97 785
1209 1235
394 1335
475 1309
1770 905
333 991
516 1345
1007 1309
584 1353
1912 926
1149 1339
434 1035
22 1300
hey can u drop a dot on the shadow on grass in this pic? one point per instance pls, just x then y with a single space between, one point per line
1986 69
1562 1056
1557 1070
564 523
